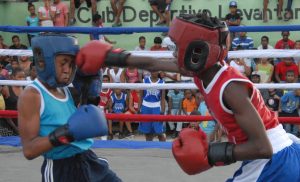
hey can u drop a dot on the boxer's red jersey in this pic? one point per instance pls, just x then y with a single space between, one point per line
104 97
213 95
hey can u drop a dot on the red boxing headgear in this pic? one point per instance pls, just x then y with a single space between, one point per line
200 41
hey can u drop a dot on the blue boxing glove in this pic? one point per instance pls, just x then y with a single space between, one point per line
87 122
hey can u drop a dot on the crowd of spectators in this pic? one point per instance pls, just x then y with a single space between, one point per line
174 102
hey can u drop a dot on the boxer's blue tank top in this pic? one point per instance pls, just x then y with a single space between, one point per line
55 112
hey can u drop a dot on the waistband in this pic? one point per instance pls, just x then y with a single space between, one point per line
151 104
279 139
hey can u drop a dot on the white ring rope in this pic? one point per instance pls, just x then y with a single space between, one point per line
143 86
266 53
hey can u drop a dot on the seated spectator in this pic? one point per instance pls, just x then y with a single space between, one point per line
281 69
174 101
241 66
13 64
242 41
153 102
265 69
46 14
75 4
265 9
157 45
132 75
297 46
256 78
3 72
32 20
285 42
272 100
24 63
117 7
264 40
3 59
17 43
98 22
116 75
32 72
233 18
142 44
61 18
162 9
289 104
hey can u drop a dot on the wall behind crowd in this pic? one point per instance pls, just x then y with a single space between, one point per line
138 13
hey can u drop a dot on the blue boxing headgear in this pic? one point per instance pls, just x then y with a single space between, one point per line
45 48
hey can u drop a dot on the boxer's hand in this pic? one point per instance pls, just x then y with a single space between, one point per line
96 54
87 122
190 150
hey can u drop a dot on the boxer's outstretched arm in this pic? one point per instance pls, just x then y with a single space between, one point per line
29 124
258 146
153 64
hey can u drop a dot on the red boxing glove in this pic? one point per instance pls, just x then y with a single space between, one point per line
190 150
96 54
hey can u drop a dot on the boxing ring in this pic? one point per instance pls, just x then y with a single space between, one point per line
133 160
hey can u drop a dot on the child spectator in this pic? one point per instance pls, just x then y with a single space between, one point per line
142 44
105 95
46 14
174 101
256 78
61 18
76 4
297 46
264 40
3 72
117 7
189 103
265 69
132 75
32 20
32 72
233 18
289 104
17 43
153 102
14 63
98 22
285 42
157 45
272 100
281 69
116 75
118 104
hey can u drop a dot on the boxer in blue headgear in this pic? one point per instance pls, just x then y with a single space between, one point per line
45 49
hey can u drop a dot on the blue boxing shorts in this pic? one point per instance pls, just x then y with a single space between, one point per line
283 166
83 167
151 127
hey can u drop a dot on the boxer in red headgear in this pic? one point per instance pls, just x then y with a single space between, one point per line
254 133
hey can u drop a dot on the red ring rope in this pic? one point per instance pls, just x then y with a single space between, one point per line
150 117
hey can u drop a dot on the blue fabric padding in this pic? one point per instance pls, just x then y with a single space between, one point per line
123 144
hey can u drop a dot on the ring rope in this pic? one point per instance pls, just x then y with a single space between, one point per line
152 117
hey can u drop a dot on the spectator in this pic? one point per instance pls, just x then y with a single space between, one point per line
285 42
289 13
118 103
75 4
289 104
32 72
272 100
265 69
3 59
61 18
279 10
241 66
3 72
242 41
46 14
142 44
264 40
13 64
281 69
116 75
2 45
188 105
174 101
98 22
131 75
157 45
297 59
162 9
233 18
24 63
256 78
117 7
153 102
17 43
32 20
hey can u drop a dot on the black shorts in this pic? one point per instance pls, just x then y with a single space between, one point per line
161 4
83 167
77 3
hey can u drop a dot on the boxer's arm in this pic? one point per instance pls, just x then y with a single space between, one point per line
29 124
258 145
